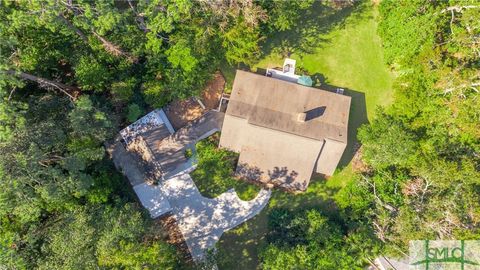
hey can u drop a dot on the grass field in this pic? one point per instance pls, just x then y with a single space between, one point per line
346 54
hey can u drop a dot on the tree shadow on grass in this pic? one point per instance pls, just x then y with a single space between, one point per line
309 30
239 247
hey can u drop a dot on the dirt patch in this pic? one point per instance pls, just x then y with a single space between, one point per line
357 163
181 112
174 236
213 91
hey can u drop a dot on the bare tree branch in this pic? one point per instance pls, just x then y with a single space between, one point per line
109 46
471 86
383 204
114 49
45 83
458 8
451 22
73 27
11 93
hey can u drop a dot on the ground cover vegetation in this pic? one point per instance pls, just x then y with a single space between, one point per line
73 73
215 170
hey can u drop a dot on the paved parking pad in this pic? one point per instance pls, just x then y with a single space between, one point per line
202 220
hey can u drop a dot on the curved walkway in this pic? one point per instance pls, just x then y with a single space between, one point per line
203 220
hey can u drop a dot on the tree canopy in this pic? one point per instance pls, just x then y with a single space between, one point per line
73 73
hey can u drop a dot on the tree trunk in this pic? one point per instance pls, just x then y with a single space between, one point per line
73 28
110 47
70 91
114 49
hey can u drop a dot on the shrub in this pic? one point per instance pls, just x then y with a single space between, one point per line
123 91
134 112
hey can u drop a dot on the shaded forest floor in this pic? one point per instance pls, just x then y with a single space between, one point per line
348 54
181 112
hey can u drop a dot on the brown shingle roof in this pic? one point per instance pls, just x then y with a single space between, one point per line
276 146
275 104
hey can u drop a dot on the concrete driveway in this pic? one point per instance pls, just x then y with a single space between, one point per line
202 220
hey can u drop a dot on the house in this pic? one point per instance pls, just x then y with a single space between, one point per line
284 131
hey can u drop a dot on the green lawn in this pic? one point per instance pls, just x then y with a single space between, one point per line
347 55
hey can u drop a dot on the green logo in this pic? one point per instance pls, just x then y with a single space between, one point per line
430 255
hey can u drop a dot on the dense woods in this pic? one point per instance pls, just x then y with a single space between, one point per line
308 239
72 73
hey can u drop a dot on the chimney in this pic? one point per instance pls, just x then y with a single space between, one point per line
301 117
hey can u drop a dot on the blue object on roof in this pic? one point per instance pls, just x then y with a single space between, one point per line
305 80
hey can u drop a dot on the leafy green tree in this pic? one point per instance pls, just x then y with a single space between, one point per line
121 242
71 243
308 240
104 237
90 127
123 91
284 14
387 142
241 43
155 94
180 55
134 112
92 75
162 22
